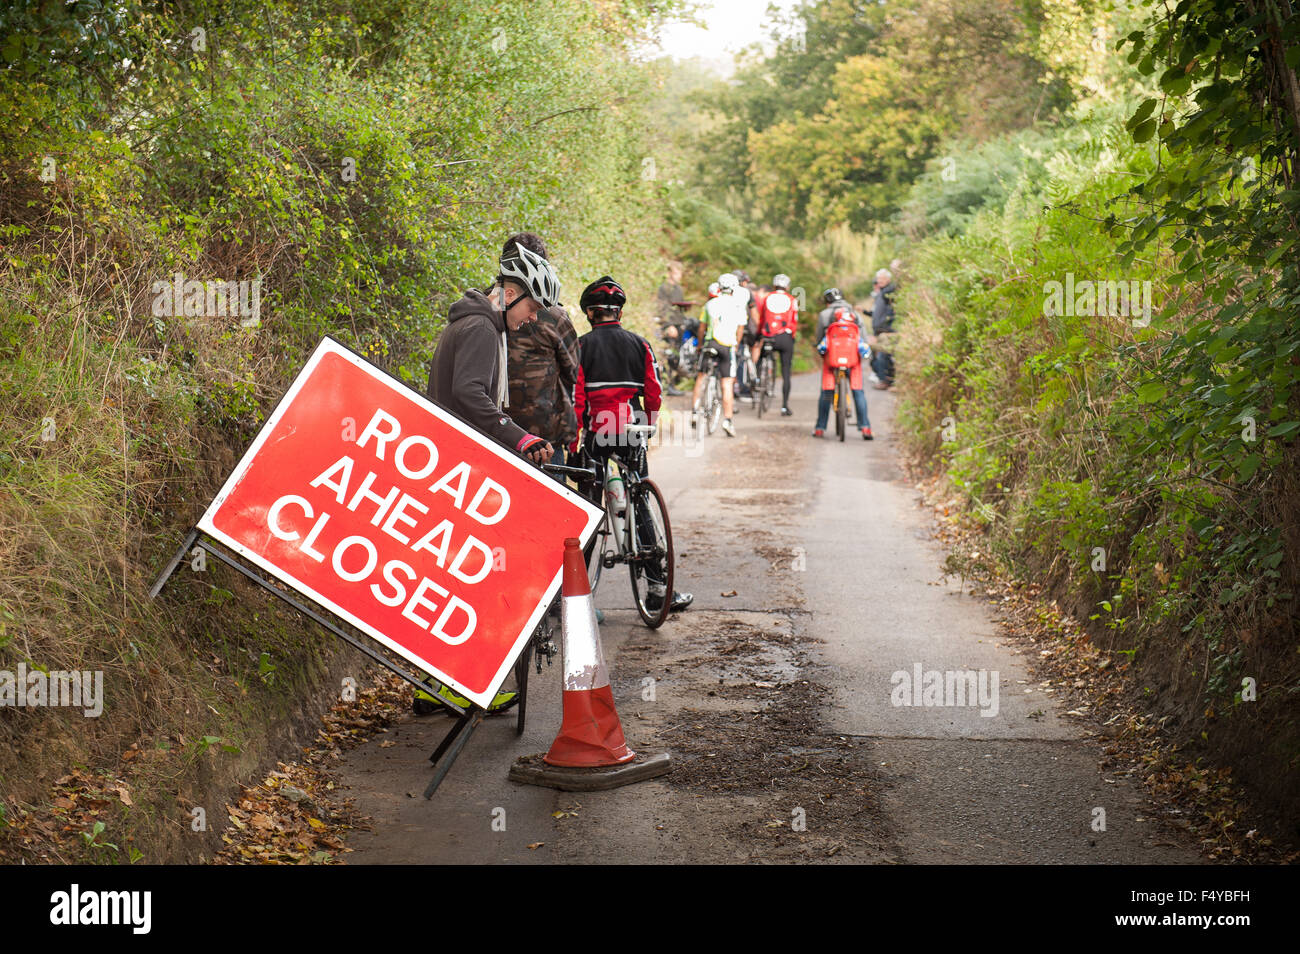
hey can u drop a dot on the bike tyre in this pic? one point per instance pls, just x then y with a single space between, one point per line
597 561
766 383
841 405
713 404
648 492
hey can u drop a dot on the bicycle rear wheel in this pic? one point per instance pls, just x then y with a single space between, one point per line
713 404
766 383
841 404
655 554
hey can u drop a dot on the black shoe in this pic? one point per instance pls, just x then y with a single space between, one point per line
653 601
786 412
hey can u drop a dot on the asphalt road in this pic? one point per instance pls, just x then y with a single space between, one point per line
780 696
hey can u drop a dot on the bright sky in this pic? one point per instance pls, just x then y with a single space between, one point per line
728 26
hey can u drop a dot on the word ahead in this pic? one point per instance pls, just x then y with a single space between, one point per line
412 526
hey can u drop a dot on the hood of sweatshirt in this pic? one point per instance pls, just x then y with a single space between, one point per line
476 303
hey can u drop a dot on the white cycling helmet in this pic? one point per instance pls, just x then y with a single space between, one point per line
536 275
781 281
727 283
714 289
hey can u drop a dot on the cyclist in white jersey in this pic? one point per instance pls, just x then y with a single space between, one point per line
725 317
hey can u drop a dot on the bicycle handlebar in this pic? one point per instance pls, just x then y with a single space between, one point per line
579 473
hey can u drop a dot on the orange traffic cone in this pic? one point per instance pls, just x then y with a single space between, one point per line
590 733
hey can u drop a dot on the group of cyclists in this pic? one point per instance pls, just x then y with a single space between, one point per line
510 364
738 315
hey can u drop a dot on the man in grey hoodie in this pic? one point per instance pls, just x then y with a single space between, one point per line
468 376
469 379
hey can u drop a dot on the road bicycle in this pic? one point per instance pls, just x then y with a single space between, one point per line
636 530
766 378
710 406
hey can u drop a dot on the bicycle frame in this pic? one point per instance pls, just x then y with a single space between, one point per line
627 547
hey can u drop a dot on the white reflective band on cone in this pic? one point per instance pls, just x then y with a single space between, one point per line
584 661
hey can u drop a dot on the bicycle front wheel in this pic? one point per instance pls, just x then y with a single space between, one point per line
598 542
654 556
841 404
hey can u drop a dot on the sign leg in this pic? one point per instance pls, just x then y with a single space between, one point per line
450 748
173 563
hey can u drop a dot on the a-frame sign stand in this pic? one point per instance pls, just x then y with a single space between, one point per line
467 720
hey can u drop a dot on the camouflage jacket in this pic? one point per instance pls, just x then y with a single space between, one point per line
543 364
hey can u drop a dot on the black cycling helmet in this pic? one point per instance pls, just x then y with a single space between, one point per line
603 293
832 295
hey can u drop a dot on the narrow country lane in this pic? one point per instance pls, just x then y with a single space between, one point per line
815 581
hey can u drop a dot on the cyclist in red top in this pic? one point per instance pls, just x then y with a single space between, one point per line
616 375
778 320
843 341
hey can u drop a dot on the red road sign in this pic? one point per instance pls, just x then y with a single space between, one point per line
435 540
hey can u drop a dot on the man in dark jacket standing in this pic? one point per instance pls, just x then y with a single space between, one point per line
469 376
543 367
882 323
543 362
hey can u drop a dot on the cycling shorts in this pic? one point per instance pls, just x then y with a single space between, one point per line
726 357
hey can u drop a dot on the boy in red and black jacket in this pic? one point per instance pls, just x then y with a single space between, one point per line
618 384
618 380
